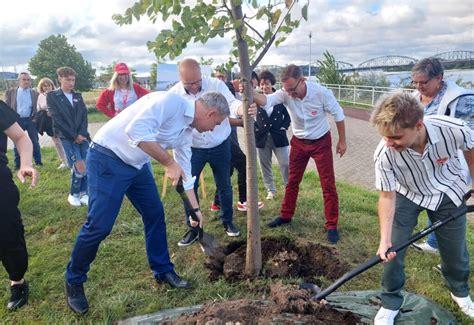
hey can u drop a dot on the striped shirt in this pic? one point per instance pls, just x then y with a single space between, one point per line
424 179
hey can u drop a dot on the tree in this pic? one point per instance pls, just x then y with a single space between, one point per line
54 52
153 75
206 20
328 70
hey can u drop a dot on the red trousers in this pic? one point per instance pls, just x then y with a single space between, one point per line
321 151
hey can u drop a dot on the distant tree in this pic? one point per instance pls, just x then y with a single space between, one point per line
371 78
203 61
204 20
153 75
328 70
54 52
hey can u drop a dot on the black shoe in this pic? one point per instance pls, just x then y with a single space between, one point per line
333 236
19 295
174 281
277 222
231 229
189 237
76 299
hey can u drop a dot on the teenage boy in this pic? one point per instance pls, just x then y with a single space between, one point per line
416 169
69 115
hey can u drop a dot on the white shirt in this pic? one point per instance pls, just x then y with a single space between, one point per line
210 139
23 102
423 179
162 117
308 116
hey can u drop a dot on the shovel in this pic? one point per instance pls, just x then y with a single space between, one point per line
207 242
377 259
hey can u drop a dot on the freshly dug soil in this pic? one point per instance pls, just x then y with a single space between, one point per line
281 258
287 305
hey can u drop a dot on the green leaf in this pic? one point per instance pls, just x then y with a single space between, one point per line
276 16
304 12
254 4
237 23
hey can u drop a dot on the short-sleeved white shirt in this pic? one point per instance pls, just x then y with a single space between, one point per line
425 178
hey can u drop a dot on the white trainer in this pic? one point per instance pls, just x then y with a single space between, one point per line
270 195
466 305
84 200
74 200
424 247
62 166
385 316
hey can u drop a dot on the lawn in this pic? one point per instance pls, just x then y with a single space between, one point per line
120 283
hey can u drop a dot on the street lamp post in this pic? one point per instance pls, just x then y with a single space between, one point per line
309 66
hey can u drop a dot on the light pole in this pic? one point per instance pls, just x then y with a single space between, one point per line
309 66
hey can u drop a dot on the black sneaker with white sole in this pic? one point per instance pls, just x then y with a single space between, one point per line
231 229
19 295
189 237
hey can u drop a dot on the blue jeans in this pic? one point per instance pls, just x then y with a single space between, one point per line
219 160
109 181
30 127
76 152
452 249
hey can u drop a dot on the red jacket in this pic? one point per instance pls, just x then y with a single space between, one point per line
105 102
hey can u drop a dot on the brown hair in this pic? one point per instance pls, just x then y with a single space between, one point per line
291 71
398 110
43 82
64 72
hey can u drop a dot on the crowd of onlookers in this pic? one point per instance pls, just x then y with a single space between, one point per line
425 161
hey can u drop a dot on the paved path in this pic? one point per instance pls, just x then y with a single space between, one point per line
356 166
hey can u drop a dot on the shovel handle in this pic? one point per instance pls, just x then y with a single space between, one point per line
377 259
186 202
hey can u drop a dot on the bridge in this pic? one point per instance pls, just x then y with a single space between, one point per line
388 62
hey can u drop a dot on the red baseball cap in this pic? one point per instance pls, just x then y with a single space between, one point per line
121 68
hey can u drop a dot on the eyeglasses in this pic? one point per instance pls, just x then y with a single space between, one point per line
221 77
421 83
290 90
190 84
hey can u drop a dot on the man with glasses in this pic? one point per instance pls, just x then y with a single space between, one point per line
23 100
211 147
308 103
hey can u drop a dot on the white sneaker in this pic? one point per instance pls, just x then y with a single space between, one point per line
270 196
424 247
84 200
385 316
74 200
242 206
466 305
62 166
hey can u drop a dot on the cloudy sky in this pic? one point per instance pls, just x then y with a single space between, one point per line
352 30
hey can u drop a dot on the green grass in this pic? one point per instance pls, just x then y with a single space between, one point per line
120 283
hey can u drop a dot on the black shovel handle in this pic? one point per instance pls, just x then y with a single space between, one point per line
377 259
186 202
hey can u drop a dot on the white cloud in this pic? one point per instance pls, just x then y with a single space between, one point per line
352 30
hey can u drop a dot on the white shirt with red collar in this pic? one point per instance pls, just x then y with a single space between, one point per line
308 115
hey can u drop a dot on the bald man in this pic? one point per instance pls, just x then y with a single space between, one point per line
212 147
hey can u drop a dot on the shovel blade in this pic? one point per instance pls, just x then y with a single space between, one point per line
209 244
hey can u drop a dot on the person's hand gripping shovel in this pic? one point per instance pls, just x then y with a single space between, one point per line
208 243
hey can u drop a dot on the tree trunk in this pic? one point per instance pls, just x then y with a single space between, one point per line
253 263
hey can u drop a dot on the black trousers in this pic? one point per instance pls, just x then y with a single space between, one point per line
238 161
13 253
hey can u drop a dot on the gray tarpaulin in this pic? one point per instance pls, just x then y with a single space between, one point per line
365 304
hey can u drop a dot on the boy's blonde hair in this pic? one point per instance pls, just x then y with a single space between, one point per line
400 110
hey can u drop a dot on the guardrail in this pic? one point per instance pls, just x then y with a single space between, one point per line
365 96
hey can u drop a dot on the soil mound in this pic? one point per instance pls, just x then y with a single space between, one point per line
281 258
287 305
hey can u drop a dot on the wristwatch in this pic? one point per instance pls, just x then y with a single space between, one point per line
196 210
